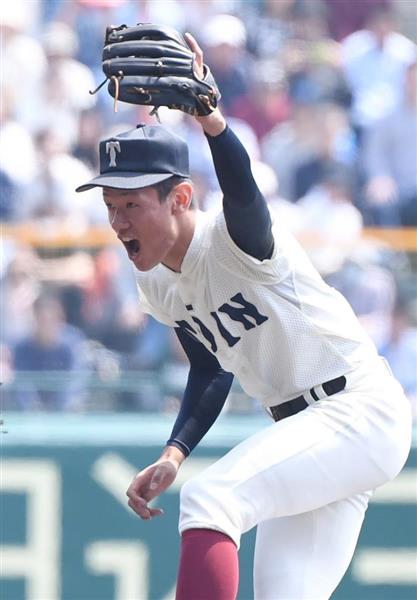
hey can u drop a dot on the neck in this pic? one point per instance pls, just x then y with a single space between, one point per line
186 227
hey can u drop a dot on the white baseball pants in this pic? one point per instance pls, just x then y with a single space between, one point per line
305 483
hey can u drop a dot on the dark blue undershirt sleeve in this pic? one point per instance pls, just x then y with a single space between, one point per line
204 397
245 210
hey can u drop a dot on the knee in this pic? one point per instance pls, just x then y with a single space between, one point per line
197 499
203 505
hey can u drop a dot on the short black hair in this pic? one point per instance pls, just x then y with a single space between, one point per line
164 187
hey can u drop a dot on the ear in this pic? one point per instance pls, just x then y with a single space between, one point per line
182 196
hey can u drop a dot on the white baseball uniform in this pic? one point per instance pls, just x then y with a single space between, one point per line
305 480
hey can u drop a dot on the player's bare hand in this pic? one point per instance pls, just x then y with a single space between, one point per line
198 53
214 123
148 484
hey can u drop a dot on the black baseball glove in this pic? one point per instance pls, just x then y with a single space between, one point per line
153 65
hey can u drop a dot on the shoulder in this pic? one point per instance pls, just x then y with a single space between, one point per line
238 264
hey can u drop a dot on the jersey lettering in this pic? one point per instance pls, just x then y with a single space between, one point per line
239 314
185 326
230 339
235 313
206 333
204 330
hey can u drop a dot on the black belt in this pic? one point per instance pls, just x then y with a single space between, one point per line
294 406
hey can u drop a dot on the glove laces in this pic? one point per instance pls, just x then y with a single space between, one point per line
116 79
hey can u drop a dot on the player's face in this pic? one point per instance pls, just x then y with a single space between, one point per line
146 226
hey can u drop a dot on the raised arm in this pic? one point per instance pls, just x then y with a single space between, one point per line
246 213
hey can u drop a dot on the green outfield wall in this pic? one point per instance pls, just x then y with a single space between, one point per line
67 533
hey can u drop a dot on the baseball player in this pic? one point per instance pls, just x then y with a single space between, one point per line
245 302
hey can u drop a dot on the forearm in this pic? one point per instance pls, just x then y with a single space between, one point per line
246 212
205 394
203 400
231 160
233 169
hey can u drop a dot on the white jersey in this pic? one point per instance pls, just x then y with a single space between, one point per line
275 324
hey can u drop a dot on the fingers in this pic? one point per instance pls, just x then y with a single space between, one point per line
192 42
147 485
140 507
140 493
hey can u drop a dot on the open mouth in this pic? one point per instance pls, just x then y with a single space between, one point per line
132 247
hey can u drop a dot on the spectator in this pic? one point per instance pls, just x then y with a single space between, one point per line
390 160
7 197
266 104
110 315
89 19
290 144
284 210
19 289
23 61
111 318
104 305
18 159
345 16
367 284
400 349
200 162
312 60
335 149
166 12
54 348
198 13
224 37
375 61
63 90
52 195
271 26
90 127
328 210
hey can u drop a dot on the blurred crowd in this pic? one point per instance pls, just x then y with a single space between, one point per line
323 93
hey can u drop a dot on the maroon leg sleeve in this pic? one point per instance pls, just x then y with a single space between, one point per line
209 567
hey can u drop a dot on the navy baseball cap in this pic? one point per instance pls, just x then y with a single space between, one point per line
140 157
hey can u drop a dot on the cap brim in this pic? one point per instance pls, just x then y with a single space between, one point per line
124 180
